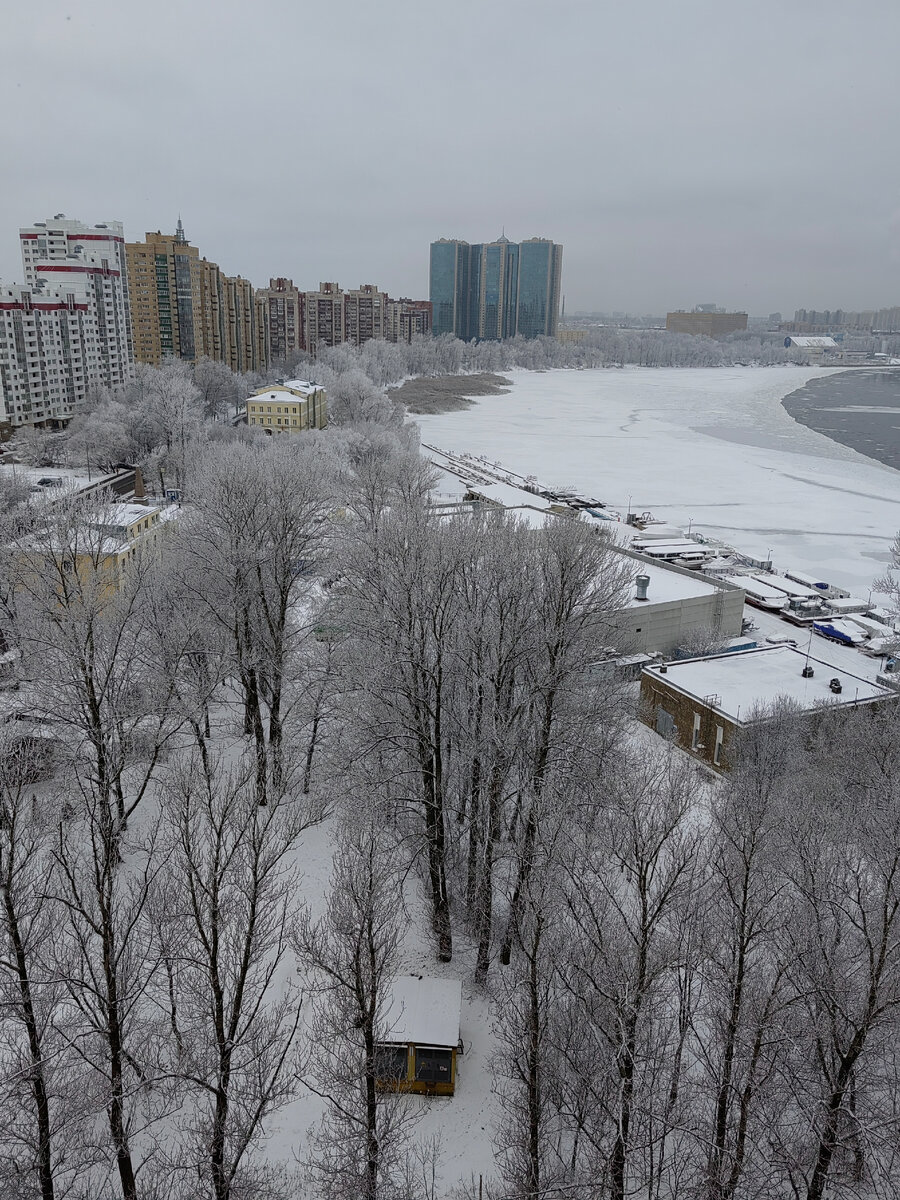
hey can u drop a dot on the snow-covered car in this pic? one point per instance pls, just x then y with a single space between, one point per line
779 639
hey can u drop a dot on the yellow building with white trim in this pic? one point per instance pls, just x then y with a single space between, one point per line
289 407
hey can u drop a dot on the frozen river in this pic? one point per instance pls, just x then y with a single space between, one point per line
713 448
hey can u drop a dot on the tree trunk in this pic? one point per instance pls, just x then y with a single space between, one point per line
37 1080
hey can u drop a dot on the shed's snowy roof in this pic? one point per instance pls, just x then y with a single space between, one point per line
735 683
423 1010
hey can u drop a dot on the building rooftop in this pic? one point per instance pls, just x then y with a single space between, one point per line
508 495
299 387
734 684
422 1010
667 585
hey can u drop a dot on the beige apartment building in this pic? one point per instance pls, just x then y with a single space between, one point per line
289 407
279 318
184 306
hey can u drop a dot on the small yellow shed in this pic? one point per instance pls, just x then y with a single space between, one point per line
421 1036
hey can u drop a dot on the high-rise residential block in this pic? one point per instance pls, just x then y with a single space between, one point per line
58 251
406 319
495 290
184 306
364 314
280 318
67 330
323 318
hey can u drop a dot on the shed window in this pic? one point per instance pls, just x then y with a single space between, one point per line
432 1065
717 753
695 734
391 1062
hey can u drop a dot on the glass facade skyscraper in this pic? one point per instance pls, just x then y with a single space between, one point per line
495 290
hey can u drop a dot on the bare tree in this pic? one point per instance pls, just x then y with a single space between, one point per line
843 952
38 1150
350 956
222 922
401 600
258 533
629 891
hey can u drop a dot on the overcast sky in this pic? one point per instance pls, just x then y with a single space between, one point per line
683 153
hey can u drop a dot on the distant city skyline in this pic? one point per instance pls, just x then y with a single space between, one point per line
355 255
679 152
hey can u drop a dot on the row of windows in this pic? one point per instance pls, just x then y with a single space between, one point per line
278 421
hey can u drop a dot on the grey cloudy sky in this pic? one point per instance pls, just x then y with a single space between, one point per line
691 152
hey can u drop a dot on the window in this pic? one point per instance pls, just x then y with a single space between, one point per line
665 724
391 1062
433 1065
695 734
717 753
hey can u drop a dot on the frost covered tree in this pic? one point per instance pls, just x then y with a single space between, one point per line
222 918
350 955
39 1086
257 536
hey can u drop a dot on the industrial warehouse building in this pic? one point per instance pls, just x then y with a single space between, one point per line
702 703
674 606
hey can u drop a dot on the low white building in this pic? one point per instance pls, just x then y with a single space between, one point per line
675 608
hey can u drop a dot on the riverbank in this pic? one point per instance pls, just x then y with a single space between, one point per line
427 395
713 449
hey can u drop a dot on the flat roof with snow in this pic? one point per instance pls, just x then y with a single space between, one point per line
275 391
423 1010
507 495
734 684
668 586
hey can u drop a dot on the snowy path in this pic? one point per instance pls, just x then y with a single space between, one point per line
713 447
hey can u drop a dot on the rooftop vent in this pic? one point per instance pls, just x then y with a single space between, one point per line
807 672
642 583
835 685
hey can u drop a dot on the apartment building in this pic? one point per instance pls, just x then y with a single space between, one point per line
406 319
67 329
279 317
184 306
47 250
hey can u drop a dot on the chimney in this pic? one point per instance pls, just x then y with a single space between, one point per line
642 583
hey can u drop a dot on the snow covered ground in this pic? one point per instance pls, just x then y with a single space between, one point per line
709 447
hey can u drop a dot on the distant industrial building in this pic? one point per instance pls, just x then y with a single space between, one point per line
702 703
706 322
495 290
816 348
